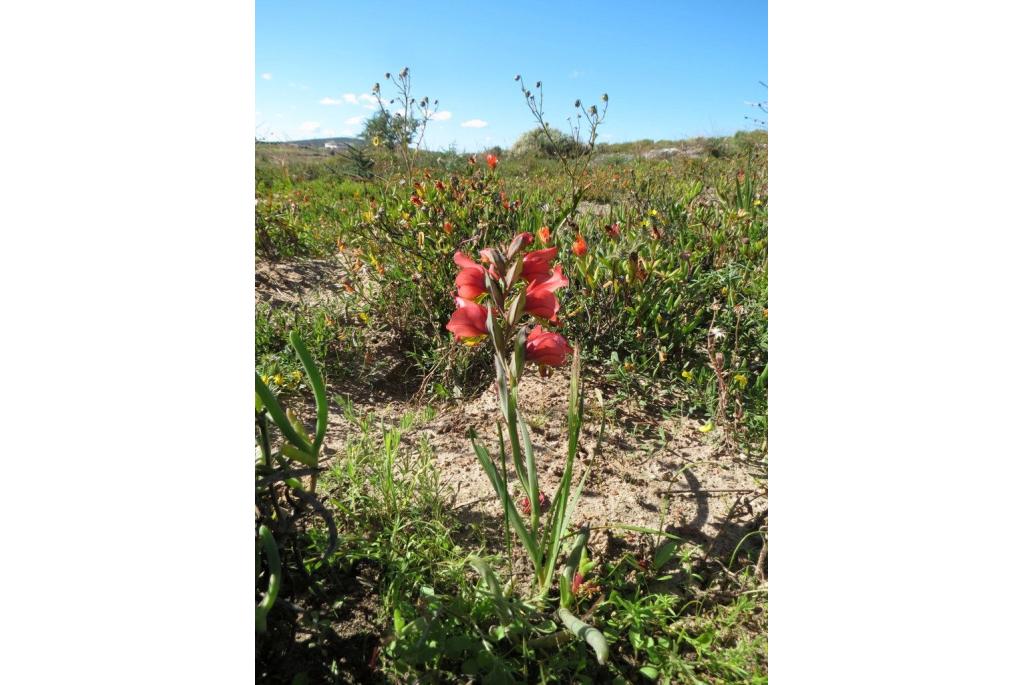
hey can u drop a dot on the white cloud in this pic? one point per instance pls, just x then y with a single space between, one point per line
474 123
309 126
350 98
266 76
352 121
327 132
330 101
443 115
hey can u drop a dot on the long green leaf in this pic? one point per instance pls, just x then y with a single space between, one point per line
269 546
279 417
493 586
532 486
319 391
501 488
593 636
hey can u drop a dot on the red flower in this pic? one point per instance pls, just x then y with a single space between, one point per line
526 236
577 581
524 503
547 348
439 185
469 321
579 247
540 295
544 234
613 230
492 161
537 264
470 280
415 199
448 230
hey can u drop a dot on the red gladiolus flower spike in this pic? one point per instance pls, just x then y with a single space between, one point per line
579 246
492 161
544 233
469 321
547 348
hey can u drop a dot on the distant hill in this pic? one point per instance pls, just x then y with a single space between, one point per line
321 142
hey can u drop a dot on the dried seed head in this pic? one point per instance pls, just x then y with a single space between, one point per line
593 109
404 72
538 85
376 88
528 94
517 77
577 103
604 98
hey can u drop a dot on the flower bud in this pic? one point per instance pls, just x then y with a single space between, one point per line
515 309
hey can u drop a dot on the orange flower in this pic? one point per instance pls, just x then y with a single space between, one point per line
492 161
544 234
448 227
579 246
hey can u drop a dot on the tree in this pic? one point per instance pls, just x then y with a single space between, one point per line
389 129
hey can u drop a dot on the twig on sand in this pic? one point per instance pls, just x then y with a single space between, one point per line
709 491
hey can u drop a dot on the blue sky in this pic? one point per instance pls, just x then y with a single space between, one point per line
671 69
